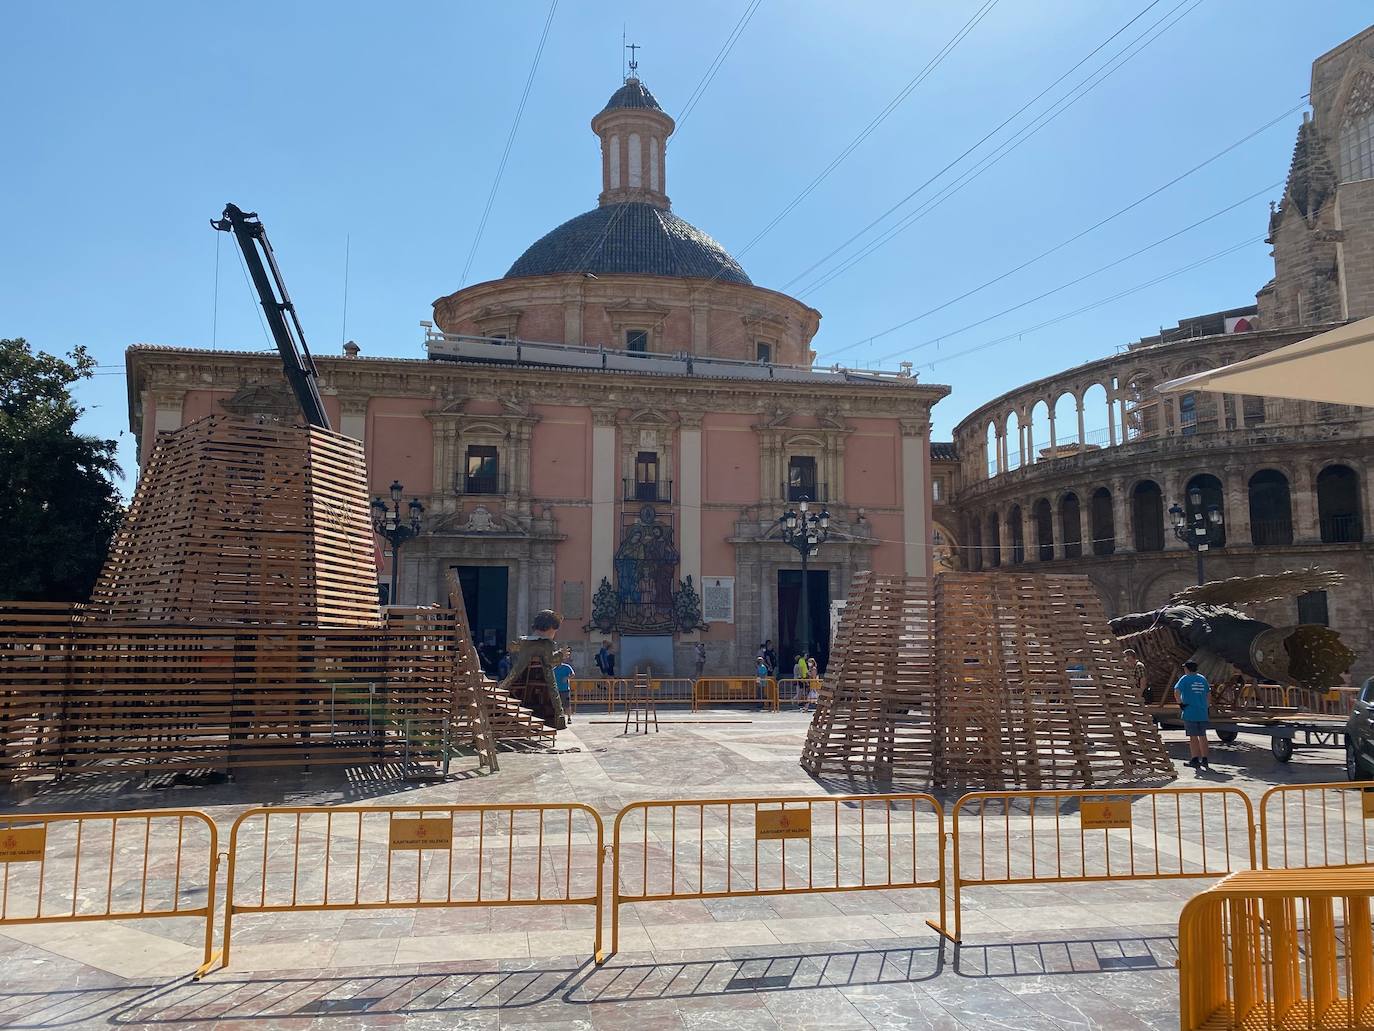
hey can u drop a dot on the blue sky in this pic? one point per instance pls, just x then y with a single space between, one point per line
127 126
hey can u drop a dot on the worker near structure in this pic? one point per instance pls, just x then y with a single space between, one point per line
1192 693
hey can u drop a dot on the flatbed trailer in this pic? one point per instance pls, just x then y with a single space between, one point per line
1286 730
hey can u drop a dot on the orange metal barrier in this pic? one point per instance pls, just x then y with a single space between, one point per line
788 691
137 865
673 690
607 691
1279 949
1105 834
1310 825
317 858
740 847
714 691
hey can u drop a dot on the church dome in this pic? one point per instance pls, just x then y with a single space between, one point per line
633 94
629 238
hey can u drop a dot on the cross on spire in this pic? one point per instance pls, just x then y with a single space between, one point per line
634 65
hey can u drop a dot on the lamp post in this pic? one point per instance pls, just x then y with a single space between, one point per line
1195 527
387 522
805 531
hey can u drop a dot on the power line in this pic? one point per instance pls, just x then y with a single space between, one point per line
510 141
716 64
1076 236
876 121
1096 304
1019 111
1022 135
1085 276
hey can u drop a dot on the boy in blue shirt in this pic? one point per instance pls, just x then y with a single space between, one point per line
562 677
1192 692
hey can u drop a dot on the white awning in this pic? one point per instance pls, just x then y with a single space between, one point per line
1336 367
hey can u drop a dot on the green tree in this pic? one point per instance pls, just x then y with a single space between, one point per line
59 506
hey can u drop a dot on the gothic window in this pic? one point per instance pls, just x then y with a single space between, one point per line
801 479
1357 135
637 340
483 472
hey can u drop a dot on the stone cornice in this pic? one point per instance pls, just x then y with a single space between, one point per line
176 370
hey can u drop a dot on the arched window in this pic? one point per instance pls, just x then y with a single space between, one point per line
653 163
1039 428
1209 487
1013 438
1147 516
615 162
1271 509
1072 522
1338 505
994 542
636 161
993 468
1044 530
1018 537
1356 137
1103 522
1099 424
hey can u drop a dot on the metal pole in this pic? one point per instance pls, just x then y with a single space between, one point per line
1201 578
805 596
395 566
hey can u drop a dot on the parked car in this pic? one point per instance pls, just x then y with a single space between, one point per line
1359 735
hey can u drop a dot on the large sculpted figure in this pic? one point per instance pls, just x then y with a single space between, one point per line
530 680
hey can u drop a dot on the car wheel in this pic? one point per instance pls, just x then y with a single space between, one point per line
1282 747
1227 736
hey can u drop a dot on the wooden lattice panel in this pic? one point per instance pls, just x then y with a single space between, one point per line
240 522
90 696
981 681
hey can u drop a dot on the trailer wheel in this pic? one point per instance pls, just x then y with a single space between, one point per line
1228 737
1282 747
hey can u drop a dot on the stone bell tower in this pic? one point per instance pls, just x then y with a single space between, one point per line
634 135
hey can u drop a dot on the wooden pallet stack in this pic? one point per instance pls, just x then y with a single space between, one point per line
981 680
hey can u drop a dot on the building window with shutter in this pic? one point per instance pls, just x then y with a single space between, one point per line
763 351
801 478
637 340
1312 608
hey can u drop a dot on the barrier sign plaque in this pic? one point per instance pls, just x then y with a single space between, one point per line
1105 816
776 824
1367 801
23 846
413 835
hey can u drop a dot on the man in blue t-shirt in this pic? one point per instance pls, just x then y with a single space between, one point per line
1193 692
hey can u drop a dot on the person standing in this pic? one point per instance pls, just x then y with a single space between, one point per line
813 683
701 659
605 660
1136 669
562 676
770 657
1192 692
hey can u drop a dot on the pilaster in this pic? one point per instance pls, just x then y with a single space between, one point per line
603 495
916 500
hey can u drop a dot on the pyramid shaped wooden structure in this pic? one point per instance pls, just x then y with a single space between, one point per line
981 680
245 522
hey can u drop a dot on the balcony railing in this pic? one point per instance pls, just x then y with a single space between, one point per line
486 484
657 491
806 492
1268 533
1341 529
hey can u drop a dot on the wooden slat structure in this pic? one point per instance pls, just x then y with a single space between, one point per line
981 680
236 625
245 522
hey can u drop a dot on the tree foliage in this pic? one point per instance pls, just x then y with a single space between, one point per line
59 506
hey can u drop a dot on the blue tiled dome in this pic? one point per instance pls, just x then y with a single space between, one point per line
630 238
633 94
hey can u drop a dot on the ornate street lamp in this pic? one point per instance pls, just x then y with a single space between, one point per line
805 531
387 522
1198 529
